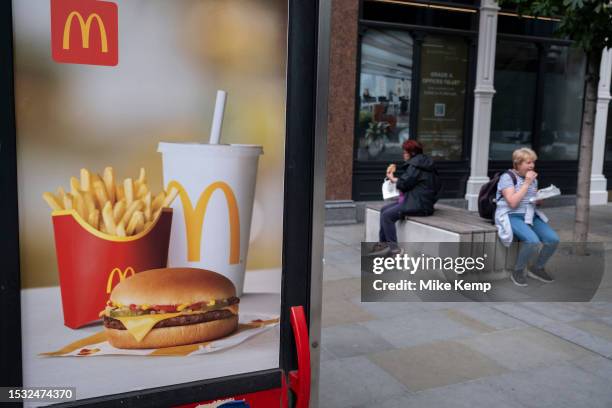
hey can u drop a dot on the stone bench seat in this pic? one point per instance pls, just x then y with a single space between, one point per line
448 224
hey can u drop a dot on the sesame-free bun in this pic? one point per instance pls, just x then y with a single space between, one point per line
172 286
173 336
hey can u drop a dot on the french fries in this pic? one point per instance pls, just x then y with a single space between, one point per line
109 183
128 189
53 202
120 208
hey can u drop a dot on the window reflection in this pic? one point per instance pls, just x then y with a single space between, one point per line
384 94
516 68
564 71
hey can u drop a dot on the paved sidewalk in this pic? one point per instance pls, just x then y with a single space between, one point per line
502 355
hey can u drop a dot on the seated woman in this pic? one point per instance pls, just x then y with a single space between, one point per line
418 184
513 216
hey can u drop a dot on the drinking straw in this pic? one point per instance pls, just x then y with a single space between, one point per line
215 131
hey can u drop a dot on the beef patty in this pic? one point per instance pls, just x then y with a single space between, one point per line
182 320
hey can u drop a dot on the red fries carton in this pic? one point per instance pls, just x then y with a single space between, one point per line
91 263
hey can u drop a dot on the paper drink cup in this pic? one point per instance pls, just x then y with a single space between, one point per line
212 213
91 263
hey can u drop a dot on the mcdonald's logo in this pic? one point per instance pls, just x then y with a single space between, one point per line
121 274
194 219
84 32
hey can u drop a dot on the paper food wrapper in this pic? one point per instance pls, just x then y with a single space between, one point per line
91 263
96 344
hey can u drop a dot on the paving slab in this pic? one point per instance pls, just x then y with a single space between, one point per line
326 355
436 364
355 381
580 337
523 314
519 349
419 328
342 254
468 321
470 394
352 269
491 317
385 310
336 272
554 310
352 340
347 234
600 366
342 311
557 386
341 289
596 328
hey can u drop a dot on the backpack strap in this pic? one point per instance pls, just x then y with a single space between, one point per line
512 176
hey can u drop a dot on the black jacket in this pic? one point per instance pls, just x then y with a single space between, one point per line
421 185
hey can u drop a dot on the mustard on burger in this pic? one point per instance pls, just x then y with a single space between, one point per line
170 307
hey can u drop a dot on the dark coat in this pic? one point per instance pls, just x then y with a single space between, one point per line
420 183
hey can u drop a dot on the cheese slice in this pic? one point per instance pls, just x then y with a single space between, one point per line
140 326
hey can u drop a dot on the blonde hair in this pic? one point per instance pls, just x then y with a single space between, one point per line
523 154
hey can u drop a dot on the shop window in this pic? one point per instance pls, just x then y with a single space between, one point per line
384 94
516 71
538 100
442 89
564 71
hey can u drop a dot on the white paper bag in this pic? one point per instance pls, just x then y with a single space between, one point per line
389 190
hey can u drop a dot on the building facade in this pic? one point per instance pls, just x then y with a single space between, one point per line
469 80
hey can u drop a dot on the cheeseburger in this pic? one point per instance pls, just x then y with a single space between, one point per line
170 307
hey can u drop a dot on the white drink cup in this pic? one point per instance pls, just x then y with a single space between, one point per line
211 224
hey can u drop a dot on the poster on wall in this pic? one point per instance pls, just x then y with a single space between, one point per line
150 240
442 96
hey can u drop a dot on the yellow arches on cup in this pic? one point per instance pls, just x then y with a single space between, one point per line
194 219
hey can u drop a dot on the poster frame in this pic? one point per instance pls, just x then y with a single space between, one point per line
297 229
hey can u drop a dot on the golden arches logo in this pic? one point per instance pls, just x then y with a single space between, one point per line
194 219
85 28
122 276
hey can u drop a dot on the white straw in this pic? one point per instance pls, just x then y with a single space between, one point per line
215 130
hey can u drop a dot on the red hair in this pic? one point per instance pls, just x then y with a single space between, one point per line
412 147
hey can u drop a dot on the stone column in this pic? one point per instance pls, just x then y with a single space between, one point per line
339 206
341 102
599 190
483 101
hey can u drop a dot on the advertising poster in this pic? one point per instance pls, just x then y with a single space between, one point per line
442 96
151 252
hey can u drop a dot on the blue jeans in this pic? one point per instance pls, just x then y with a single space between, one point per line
389 215
531 237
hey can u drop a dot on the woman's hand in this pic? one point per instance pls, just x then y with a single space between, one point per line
512 197
530 176
390 173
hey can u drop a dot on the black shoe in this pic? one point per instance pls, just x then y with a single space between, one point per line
380 249
518 278
540 274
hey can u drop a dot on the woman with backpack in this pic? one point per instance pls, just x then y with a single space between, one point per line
516 192
419 186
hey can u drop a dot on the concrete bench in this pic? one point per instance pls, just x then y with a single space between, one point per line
448 224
